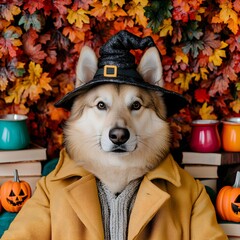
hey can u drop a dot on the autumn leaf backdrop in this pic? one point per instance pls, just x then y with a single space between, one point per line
40 41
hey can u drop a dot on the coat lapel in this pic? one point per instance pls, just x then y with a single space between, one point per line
149 199
83 197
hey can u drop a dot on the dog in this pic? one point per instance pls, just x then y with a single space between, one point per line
116 178
124 126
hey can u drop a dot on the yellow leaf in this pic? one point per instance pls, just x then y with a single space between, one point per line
180 55
166 28
201 10
206 112
105 2
31 86
78 17
218 54
119 2
196 76
204 72
238 86
235 105
136 11
15 93
184 80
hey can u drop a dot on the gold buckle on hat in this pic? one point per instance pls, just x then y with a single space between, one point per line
110 71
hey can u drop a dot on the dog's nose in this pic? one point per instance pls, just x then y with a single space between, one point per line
119 135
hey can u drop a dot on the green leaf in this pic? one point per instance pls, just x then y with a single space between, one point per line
193 47
156 12
192 31
36 21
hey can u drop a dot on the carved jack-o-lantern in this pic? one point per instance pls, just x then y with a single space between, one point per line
14 194
228 201
236 205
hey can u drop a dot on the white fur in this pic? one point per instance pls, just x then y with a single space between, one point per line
87 130
86 66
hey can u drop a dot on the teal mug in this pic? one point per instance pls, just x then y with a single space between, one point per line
14 133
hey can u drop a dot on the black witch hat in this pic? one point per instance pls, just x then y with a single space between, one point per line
117 65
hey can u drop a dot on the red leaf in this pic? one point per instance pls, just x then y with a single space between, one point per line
210 43
220 85
60 5
201 95
234 42
32 50
229 73
33 6
81 4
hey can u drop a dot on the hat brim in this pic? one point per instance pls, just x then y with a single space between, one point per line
174 101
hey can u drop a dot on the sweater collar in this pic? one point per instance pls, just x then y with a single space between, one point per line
168 170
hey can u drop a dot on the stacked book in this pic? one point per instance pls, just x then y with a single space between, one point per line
204 166
231 229
26 161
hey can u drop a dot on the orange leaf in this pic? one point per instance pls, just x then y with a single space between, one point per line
56 114
75 34
8 11
109 12
228 16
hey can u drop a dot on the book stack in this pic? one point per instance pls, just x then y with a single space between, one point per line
231 229
26 161
204 166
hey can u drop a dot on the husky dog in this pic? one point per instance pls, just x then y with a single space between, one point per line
124 126
116 178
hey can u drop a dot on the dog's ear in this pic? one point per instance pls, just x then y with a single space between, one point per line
150 67
86 66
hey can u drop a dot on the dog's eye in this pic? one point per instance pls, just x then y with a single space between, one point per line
136 105
101 106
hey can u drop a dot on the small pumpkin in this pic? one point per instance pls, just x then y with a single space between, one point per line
228 201
14 194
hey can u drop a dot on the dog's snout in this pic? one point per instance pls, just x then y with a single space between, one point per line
119 135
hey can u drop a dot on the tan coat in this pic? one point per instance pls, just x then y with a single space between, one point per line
170 205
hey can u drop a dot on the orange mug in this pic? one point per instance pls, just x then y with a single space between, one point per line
231 135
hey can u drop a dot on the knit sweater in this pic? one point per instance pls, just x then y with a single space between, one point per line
116 209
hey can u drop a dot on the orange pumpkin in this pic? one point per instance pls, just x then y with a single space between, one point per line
14 194
228 201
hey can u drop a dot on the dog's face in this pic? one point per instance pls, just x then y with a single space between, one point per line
118 132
